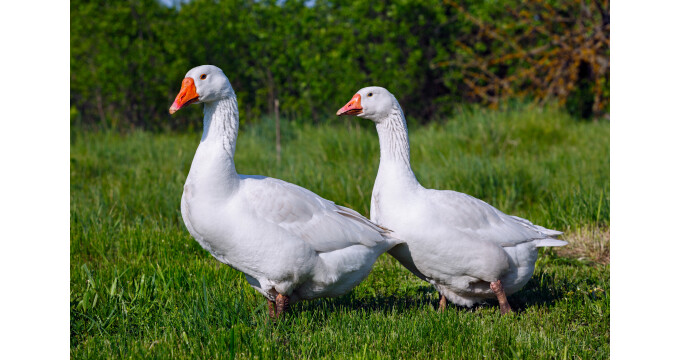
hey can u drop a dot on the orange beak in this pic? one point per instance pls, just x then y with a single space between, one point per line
187 95
353 107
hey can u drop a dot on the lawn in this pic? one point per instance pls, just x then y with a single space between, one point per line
141 287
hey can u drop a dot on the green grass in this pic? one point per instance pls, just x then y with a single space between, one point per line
141 287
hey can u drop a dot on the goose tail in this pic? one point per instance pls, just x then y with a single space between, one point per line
549 242
550 235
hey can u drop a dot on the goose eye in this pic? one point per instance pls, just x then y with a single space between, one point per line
203 76
370 94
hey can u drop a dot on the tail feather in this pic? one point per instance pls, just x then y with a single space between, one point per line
344 211
539 228
549 242
550 235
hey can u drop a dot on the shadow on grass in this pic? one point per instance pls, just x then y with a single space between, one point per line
542 290
422 297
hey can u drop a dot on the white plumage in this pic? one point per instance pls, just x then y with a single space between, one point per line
456 242
287 240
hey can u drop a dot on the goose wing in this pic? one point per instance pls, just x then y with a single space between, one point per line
321 223
475 218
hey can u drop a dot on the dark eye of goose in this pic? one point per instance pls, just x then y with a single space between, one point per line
203 76
370 94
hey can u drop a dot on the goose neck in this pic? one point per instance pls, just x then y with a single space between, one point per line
394 143
220 123
212 171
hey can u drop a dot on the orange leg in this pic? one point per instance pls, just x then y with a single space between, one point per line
442 302
282 302
497 288
272 309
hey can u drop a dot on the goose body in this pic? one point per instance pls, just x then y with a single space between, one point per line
290 243
459 244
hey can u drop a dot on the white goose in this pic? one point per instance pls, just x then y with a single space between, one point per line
463 246
290 243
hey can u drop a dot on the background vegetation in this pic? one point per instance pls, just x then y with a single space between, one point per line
128 56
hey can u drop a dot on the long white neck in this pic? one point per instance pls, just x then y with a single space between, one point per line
212 170
220 123
394 147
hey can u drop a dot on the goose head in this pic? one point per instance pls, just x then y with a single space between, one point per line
374 103
202 84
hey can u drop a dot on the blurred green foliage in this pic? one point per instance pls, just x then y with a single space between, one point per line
128 57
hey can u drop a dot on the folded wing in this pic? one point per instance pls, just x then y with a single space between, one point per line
469 216
319 222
